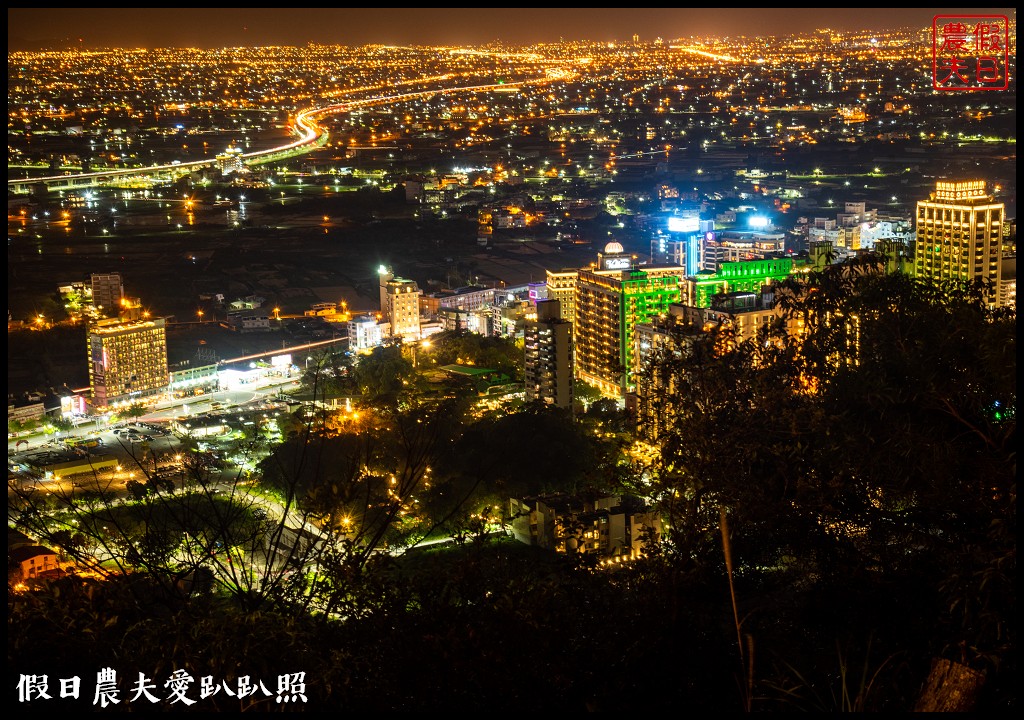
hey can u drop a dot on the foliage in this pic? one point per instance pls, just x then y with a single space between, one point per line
383 376
485 351
875 451
585 394
561 455
330 375
459 630
19 426
61 424
134 411
362 481
155 526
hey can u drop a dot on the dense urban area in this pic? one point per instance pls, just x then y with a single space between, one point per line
635 375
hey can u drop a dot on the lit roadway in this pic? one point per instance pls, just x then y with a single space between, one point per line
165 410
310 137
283 350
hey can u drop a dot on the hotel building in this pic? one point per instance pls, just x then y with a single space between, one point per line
127 360
400 305
959 235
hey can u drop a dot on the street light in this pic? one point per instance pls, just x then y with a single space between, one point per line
200 314
425 344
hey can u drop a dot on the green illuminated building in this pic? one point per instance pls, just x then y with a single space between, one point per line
608 309
745 276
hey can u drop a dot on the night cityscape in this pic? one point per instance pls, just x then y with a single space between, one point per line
593 360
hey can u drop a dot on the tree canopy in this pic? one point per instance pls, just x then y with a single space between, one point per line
870 462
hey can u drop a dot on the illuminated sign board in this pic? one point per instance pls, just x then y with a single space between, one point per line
617 263
759 221
685 225
72 405
281 360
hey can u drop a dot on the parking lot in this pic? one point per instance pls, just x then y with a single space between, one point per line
135 445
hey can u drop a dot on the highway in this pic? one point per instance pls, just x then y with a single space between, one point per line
310 136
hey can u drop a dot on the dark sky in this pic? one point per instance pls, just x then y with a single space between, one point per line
56 28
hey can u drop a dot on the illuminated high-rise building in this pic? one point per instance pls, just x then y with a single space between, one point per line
384 276
548 354
400 305
608 308
127 360
561 286
603 303
686 234
107 292
959 235
1008 282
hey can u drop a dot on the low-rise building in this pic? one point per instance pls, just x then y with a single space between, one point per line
602 526
187 378
366 332
31 561
25 413
201 426
247 321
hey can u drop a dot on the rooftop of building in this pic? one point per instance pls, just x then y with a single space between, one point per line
467 370
26 552
112 326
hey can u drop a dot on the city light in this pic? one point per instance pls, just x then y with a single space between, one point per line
617 309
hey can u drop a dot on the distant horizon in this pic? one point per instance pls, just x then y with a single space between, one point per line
40 29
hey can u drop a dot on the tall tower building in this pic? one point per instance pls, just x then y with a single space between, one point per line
561 286
107 292
603 303
548 349
127 360
959 235
609 306
400 305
